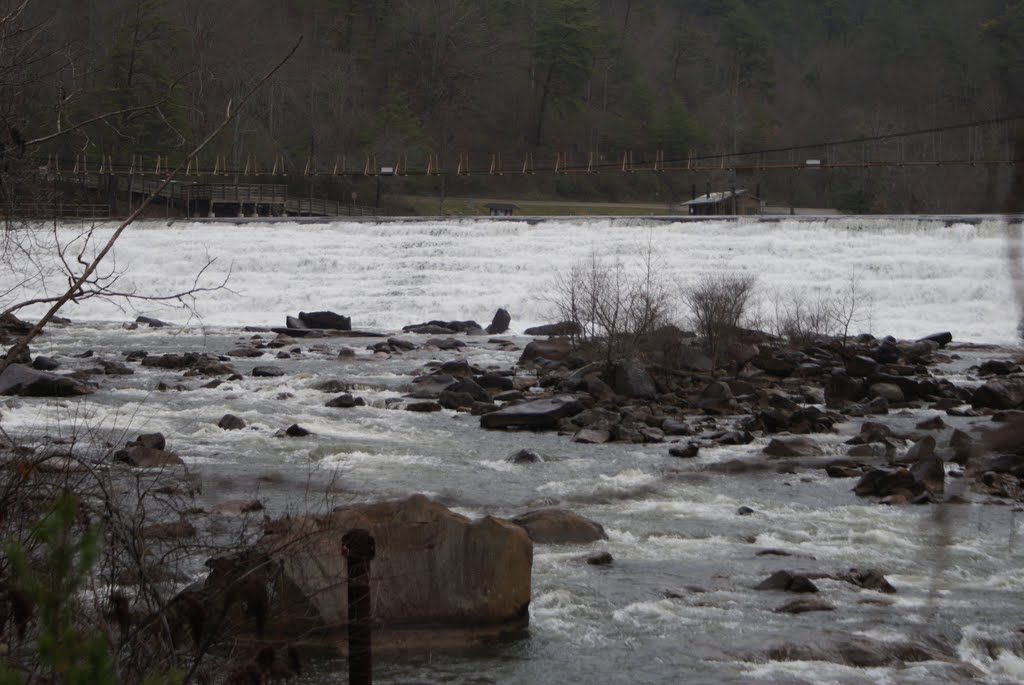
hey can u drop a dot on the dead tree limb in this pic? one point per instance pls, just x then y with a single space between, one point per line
23 342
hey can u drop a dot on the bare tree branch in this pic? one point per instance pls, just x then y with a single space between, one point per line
22 344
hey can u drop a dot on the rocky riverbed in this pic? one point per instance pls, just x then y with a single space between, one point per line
839 503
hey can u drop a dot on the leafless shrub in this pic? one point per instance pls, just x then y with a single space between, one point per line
804 319
616 308
717 305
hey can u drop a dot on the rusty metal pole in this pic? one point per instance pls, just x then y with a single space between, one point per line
359 548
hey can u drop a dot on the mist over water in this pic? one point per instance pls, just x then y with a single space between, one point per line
915 276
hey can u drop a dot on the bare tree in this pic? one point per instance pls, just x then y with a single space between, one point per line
717 305
616 307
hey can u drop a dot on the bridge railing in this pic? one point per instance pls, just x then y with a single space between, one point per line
319 207
56 210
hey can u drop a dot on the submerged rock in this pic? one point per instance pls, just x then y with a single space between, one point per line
803 606
787 582
862 652
18 379
525 456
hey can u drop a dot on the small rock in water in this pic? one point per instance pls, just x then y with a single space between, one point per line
345 401
423 407
600 559
788 582
267 372
802 606
869 579
744 511
688 452
42 363
333 385
151 322
297 431
230 422
933 424
525 456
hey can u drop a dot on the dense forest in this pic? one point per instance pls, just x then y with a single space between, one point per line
570 82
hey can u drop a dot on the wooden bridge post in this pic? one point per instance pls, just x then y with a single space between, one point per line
359 549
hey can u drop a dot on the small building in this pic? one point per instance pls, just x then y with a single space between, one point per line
725 202
501 208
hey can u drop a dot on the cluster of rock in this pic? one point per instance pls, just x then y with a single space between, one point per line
787 393
499 324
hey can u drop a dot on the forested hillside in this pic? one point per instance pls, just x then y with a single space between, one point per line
396 80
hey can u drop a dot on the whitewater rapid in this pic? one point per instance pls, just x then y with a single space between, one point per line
678 603
914 276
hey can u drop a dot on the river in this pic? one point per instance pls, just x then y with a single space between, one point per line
677 604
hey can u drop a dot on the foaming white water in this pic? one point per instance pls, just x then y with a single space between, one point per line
919 275
994 650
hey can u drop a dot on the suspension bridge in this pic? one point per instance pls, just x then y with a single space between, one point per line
248 184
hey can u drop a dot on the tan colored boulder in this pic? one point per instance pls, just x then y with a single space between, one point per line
560 527
437 579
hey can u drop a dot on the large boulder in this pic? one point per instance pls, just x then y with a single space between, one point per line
999 393
630 379
555 349
326 320
560 328
842 388
560 527
500 322
889 483
437 578
12 325
535 415
19 379
471 388
716 398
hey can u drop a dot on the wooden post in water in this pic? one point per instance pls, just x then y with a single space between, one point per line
359 548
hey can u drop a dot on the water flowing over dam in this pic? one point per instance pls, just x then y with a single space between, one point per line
916 275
